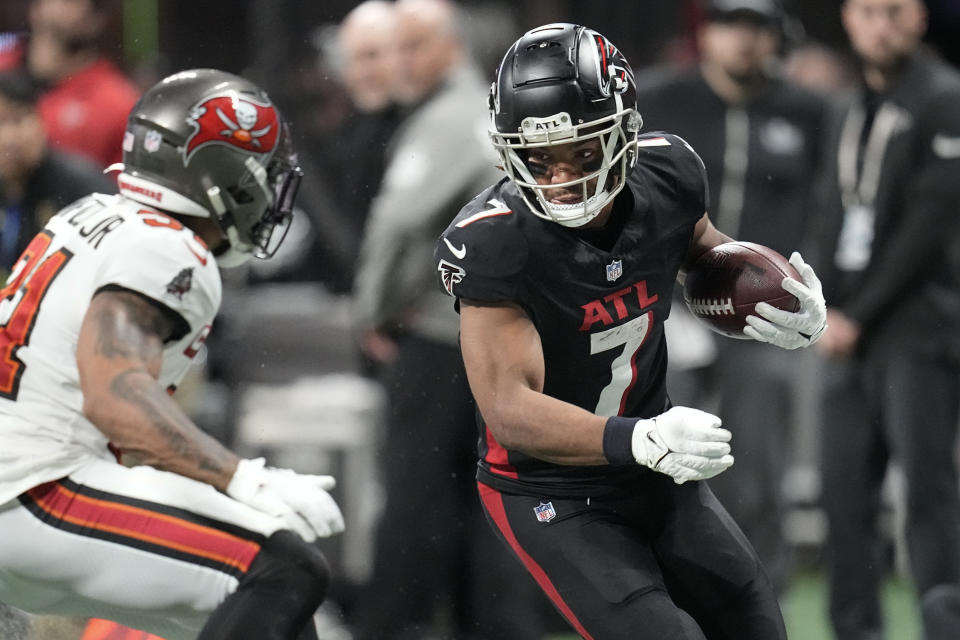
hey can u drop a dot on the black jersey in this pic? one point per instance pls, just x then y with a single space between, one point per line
599 313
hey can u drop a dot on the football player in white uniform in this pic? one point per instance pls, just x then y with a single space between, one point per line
99 321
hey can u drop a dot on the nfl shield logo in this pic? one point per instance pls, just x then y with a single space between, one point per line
545 512
614 270
151 141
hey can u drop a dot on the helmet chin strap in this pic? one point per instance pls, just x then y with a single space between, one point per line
238 252
591 208
232 258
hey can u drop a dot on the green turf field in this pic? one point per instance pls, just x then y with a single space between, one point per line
805 610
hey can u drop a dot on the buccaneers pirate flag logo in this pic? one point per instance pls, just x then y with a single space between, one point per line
181 283
232 120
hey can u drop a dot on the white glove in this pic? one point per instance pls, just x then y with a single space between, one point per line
787 329
684 443
300 500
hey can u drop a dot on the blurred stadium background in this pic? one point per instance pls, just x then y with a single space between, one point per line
282 44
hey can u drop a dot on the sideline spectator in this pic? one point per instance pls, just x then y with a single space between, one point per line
363 57
435 559
759 137
341 99
36 181
891 271
86 99
820 68
367 46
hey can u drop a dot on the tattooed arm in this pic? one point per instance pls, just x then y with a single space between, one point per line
119 355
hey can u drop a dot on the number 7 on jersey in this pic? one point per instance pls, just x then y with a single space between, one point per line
631 336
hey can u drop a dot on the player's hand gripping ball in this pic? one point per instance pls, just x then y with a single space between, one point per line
725 284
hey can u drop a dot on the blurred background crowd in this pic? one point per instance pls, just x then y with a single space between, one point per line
340 355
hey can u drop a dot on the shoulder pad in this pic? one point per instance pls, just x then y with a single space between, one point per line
164 260
671 154
482 254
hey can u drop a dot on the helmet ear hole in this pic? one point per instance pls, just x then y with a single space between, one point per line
240 195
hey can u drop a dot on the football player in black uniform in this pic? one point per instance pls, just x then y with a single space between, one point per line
563 273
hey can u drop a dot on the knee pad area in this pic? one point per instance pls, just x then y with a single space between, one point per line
653 610
285 559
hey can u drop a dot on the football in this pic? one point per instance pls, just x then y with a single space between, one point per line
725 283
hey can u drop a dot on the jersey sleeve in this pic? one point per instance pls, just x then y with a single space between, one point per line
691 174
675 163
482 254
169 266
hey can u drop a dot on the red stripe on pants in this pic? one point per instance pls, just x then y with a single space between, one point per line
493 503
145 525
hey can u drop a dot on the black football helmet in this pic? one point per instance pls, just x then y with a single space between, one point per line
563 83
211 144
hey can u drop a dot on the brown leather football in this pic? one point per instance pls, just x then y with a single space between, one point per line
726 282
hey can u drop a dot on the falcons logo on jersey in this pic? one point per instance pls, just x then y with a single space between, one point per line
450 274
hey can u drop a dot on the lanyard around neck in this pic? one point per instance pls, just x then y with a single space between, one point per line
862 189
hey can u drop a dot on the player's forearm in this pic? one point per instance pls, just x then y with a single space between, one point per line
546 428
705 237
138 417
505 368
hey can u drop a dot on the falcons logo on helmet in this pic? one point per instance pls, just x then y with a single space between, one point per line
450 274
232 120
613 77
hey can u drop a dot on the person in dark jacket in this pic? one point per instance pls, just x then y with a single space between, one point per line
759 137
36 180
891 271
454 580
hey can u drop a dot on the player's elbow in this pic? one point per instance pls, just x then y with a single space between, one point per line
99 410
506 427
511 438
109 410
507 412
501 432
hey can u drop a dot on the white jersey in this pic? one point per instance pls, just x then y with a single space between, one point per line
99 241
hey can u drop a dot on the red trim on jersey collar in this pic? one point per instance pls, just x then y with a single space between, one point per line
489 213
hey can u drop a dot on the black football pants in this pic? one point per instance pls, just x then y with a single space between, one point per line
434 550
665 563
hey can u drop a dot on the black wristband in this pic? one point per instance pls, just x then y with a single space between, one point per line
618 440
